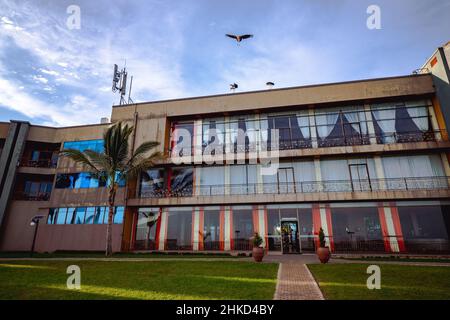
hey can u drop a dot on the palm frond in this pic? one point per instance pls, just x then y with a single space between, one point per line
100 160
142 164
80 158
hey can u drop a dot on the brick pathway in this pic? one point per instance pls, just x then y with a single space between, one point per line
295 282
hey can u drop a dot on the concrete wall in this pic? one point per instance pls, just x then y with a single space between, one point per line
83 237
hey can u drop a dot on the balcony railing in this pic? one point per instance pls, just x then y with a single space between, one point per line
40 196
330 141
39 163
391 184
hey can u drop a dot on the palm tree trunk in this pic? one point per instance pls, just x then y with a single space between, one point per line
112 196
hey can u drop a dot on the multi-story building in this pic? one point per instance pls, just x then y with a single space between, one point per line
367 161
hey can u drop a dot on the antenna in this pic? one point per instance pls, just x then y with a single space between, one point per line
129 92
120 84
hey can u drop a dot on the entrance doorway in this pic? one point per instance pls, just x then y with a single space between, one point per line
290 236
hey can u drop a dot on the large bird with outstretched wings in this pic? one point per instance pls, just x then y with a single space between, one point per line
239 38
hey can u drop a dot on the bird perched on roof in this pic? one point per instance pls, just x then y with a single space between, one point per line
239 38
270 84
233 86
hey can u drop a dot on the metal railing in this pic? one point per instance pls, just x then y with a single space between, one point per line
39 163
390 184
330 141
40 196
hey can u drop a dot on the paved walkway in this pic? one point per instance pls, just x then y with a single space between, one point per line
295 282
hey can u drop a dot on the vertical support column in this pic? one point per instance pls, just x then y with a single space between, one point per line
445 163
227 179
434 123
322 219
195 228
312 126
197 181
198 141
391 228
259 180
162 230
380 173
318 173
228 222
370 127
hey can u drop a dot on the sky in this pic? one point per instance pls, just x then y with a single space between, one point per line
56 75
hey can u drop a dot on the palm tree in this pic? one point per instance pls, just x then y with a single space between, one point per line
115 164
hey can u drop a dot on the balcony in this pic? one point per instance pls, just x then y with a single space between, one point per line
302 187
311 143
32 196
39 163
40 155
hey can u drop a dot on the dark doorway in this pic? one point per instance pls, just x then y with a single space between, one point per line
290 236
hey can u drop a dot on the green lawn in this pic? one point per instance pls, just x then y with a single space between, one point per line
348 281
139 280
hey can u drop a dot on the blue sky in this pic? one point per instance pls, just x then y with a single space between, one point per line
52 75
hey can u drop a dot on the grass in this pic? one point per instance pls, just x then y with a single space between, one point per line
400 259
398 282
87 254
139 280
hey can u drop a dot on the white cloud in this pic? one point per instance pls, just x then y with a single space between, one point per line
50 72
40 79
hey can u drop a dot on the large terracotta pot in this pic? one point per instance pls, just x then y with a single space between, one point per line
323 254
258 254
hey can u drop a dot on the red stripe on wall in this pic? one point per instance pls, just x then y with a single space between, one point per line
384 230
158 229
316 223
330 227
193 228
266 228
255 219
222 229
200 228
231 229
398 228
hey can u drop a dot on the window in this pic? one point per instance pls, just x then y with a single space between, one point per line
181 181
357 229
212 180
82 180
179 229
84 215
242 227
422 222
94 145
146 229
79 215
152 183
182 139
211 228
293 131
118 215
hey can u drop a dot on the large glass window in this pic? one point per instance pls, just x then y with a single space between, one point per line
424 228
94 145
211 228
357 229
146 229
84 215
213 133
401 121
293 131
182 138
212 180
242 227
179 229
181 180
152 183
78 181
273 228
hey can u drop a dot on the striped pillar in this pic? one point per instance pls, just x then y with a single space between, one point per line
227 228
322 219
198 141
391 228
162 229
196 238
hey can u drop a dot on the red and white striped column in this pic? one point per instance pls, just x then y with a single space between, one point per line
391 227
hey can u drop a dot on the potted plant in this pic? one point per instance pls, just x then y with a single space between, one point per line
258 250
323 252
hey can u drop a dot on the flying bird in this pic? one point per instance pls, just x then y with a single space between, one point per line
270 84
239 38
233 86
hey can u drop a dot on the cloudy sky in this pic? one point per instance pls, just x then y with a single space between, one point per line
53 75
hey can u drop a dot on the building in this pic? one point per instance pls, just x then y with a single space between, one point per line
367 161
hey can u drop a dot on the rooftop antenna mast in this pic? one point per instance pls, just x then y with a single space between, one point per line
119 84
